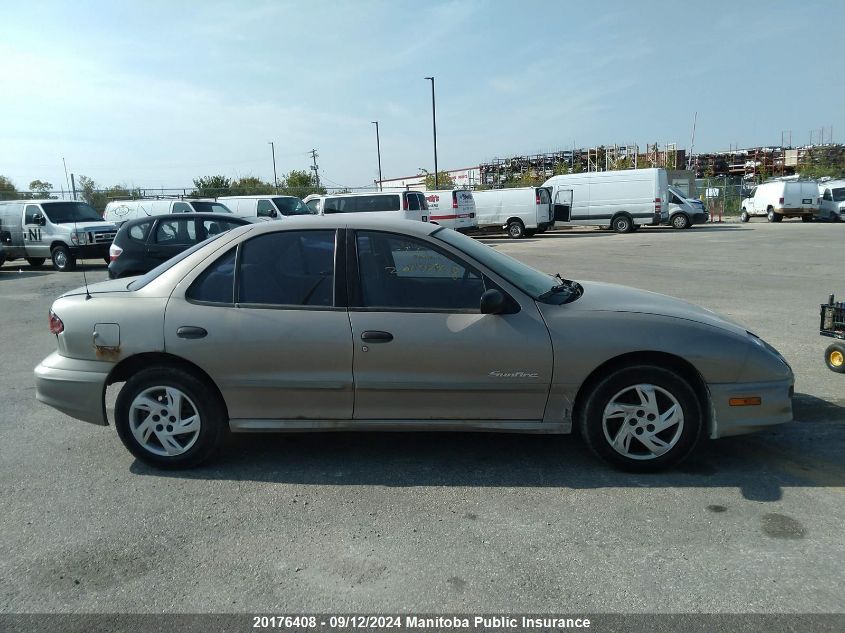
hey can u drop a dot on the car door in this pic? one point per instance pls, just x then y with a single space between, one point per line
169 237
36 242
423 350
563 205
278 342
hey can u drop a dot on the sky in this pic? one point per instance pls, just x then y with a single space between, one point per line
155 94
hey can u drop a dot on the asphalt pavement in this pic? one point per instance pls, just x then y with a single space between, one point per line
448 523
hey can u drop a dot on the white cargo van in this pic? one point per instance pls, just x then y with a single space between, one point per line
62 230
120 211
521 211
624 199
452 208
408 205
265 207
832 205
683 211
778 199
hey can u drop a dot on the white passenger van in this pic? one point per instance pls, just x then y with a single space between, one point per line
624 199
408 205
452 208
832 206
521 211
779 199
265 207
62 230
120 211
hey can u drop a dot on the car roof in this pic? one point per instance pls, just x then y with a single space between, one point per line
363 221
351 194
256 196
202 216
39 201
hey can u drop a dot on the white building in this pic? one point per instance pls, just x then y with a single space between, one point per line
465 178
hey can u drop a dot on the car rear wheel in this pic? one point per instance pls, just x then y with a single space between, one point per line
63 261
36 262
642 418
622 224
834 357
680 221
169 418
806 218
516 229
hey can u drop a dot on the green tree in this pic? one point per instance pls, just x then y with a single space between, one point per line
444 180
41 187
99 198
250 185
211 186
577 167
7 189
301 183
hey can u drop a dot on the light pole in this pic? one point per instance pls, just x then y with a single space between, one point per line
378 149
275 178
434 128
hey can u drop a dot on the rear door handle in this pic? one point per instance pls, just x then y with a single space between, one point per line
191 331
376 336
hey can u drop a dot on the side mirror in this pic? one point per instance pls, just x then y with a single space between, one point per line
492 302
40 220
273 213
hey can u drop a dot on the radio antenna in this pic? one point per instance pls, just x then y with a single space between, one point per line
84 277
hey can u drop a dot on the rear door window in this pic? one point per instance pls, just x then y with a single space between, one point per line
214 227
287 268
413 201
139 232
181 207
266 209
216 283
176 232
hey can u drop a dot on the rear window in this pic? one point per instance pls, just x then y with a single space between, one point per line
138 232
170 263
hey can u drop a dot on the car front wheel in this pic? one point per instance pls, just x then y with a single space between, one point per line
680 221
169 418
516 230
63 261
744 217
642 418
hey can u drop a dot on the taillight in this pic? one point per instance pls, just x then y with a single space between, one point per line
56 325
657 204
114 251
405 202
454 199
780 200
537 197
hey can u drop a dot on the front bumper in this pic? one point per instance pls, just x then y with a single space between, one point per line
74 387
700 218
90 251
775 406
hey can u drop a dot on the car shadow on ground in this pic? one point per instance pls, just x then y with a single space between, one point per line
759 465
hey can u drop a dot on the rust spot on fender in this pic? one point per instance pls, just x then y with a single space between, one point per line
107 353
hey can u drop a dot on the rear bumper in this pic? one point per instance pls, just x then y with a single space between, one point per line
74 387
796 212
775 407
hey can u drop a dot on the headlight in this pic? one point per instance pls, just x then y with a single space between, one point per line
79 237
756 339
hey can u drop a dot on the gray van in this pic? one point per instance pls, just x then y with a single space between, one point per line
62 230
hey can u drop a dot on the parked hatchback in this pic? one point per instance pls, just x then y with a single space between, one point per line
141 245
354 323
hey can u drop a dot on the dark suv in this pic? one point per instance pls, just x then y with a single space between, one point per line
141 245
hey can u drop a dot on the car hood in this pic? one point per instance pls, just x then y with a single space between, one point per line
90 226
112 285
604 297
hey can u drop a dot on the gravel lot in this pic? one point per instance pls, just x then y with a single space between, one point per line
449 523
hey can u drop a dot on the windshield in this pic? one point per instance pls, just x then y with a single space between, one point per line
291 206
527 279
170 263
838 194
66 212
204 206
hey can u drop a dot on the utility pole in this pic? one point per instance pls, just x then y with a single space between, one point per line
692 142
434 128
67 180
315 166
275 177
378 149
73 186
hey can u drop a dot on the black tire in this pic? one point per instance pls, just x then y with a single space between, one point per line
63 261
622 223
834 217
771 216
2 259
806 218
834 357
107 259
680 221
212 412
516 229
36 262
530 232
593 429
744 217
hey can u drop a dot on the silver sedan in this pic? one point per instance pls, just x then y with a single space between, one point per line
364 324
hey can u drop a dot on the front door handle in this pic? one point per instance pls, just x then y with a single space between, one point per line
191 331
376 336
